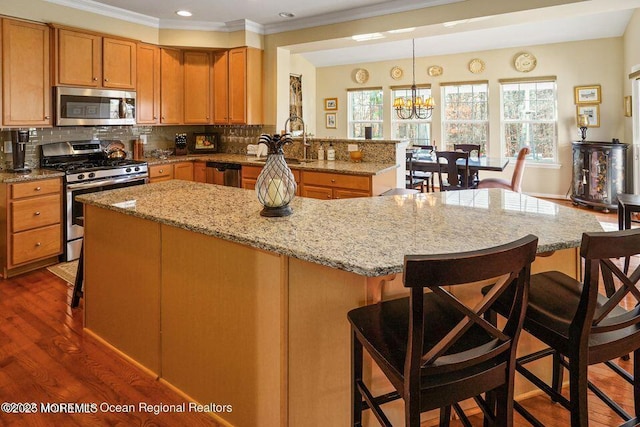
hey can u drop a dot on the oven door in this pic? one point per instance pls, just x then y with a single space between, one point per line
74 213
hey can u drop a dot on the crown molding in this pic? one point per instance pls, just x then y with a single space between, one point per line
110 11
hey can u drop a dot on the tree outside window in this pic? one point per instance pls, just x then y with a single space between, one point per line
416 130
529 119
466 115
365 109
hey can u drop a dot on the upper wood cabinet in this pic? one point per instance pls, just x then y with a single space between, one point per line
197 87
26 85
245 86
220 78
148 84
93 60
171 86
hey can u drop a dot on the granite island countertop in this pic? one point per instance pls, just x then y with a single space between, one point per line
336 166
367 236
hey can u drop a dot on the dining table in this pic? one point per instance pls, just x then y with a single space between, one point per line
426 162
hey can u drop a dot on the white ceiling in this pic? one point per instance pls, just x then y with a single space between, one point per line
588 19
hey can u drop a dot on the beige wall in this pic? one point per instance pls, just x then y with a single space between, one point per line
631 60
573 63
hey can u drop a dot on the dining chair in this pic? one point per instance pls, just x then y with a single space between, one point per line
471 148
451 174
429 177
584 327
516 178
435 350
411 181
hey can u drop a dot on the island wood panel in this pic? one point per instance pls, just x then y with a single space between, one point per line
122 283
223 325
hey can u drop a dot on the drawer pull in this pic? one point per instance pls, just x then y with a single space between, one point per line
38 188
160 171
37 213
333 180
38 244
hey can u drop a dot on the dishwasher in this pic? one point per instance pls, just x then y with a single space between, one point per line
223 173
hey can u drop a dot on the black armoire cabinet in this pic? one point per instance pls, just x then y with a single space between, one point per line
598 173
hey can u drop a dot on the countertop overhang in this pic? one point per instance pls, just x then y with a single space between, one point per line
367 236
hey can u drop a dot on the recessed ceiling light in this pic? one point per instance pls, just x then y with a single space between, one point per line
183 13
286 15
365 37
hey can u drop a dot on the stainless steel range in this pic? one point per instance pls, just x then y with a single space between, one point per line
87 169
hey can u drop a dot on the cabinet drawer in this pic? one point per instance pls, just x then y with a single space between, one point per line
35 212
35 188
251 172
322 193
355 182
35 244
161 171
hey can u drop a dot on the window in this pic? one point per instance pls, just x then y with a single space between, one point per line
417 130
365 109
466 114
529 118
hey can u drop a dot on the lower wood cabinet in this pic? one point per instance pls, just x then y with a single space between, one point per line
200 171
167 171
250 176
324 185
32 229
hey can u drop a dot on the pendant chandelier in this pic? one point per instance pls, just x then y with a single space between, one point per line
414 107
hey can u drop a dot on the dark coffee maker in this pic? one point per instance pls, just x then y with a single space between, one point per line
19 139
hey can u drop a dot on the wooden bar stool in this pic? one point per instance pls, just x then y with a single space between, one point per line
583 327
435 350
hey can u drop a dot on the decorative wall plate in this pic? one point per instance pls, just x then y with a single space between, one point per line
476 66
396 73
524 62
361 75
434 71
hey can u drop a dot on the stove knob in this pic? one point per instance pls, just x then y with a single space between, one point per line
81 176
137 168
128 170
92 175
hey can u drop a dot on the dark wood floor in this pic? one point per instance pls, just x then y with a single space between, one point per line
46 358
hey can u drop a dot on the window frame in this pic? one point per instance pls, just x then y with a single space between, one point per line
504 121
485 121
351 122
425 91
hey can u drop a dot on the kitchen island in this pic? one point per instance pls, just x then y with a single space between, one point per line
232 308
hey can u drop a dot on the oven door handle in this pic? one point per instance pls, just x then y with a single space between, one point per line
102 182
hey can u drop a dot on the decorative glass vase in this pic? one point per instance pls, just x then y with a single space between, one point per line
276 186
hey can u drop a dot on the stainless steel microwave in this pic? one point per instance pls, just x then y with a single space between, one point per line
94 107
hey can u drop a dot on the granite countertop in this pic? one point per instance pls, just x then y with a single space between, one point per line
367 236
35 174
363 168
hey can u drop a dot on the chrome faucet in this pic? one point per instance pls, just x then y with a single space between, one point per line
305 145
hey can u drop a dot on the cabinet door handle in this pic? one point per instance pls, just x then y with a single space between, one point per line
155 117
95 79
47 117
106 80
37 213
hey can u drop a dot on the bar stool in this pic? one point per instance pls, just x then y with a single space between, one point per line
583 327
435 350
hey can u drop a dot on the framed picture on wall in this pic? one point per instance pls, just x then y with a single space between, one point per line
627 106
593 112
331 103
330 120
588 94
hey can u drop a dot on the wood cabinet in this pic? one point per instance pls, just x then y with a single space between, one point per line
171 86
237 86
197 87
323 185
167 171
200 171
26 87
32 233
183 170
159 173
598 173
250 176
93 60
220 81
148 84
